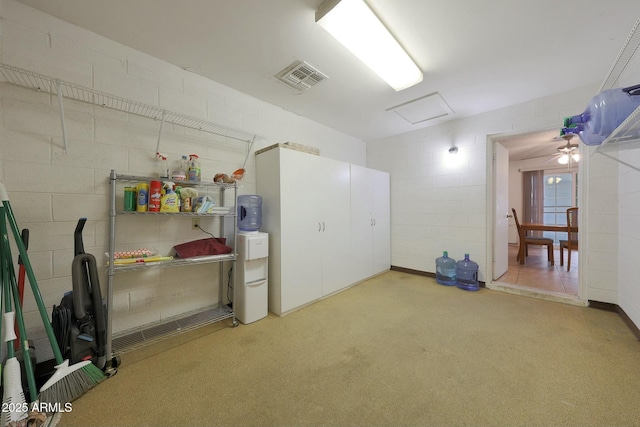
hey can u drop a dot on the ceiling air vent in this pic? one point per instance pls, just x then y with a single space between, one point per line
301 76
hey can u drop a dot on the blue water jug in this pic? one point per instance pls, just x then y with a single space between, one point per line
467 274
604 113
446 270
249 213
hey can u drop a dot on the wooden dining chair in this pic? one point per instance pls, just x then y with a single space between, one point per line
572 237
530 240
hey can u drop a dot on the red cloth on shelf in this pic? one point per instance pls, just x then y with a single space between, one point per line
209 246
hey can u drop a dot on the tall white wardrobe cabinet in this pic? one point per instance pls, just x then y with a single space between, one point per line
314 213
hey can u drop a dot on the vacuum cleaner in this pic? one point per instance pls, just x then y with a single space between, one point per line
79 322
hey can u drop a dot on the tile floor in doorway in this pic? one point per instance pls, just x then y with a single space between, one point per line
537 273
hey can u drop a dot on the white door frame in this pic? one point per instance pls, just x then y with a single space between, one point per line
583 185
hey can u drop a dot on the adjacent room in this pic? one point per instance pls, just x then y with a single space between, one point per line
319 212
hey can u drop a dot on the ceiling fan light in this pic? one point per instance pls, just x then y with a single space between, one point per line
576 157
355 25
564 159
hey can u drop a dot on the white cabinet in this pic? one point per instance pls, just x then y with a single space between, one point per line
370 223
306 211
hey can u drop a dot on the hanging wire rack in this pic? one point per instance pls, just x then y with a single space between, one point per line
40 82
625 71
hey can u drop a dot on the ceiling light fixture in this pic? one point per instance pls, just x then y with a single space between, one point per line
355 25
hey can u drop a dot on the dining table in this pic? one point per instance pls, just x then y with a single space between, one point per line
525 227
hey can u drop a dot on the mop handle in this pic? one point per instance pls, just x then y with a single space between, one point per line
8 315
28 366
32 279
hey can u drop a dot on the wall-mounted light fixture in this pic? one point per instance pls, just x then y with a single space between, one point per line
355 25
453 150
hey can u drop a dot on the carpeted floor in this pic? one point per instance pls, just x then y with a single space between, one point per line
396 350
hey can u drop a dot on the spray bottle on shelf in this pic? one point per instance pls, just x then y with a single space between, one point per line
162 165
169 202
194 168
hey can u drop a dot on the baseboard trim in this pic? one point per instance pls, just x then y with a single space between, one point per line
421 273
617 309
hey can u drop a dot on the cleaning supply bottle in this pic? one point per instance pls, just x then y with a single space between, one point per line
467 274
604 113
446 270
162 165
180 169
194 168
169 202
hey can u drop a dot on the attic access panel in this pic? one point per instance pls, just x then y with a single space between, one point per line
422 109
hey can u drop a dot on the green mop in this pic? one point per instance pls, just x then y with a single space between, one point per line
68 382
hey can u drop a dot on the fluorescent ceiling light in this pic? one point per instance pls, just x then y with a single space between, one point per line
355 25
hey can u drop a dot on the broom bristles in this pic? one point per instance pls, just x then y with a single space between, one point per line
14 405
70 382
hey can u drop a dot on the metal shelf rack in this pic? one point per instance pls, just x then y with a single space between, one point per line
153 332
624 72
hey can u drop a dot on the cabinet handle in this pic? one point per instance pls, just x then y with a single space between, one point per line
374 222
319 227
323 226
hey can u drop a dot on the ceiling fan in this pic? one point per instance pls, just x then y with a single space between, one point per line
568 153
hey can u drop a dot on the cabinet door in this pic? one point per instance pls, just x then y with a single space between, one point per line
381 214
301 250
361 224
334 196
370 222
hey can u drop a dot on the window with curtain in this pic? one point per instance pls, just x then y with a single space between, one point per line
533 198
547 195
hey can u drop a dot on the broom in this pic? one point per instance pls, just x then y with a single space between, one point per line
68 382
35 416
14 405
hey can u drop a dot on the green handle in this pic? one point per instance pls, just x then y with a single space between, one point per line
6 286
28 366
32 278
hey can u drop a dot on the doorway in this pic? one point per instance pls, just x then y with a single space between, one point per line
559 189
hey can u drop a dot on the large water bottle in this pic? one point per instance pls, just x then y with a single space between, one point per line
446 270
249 213
604 113
467 274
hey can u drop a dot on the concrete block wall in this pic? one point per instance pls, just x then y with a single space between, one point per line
437 205
629 244
50 188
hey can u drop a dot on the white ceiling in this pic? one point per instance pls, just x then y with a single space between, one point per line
479 55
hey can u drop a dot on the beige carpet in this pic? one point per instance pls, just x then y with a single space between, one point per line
397 350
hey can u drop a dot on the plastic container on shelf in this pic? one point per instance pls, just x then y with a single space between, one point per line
142 197
467 274
195 173
604 113
446 270
155 195
249 213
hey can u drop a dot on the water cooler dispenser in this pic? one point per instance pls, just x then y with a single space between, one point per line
252 295
252 291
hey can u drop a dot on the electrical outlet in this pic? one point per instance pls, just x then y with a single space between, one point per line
195 223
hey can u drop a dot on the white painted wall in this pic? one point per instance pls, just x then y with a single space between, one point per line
50 189
629 244
438 206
